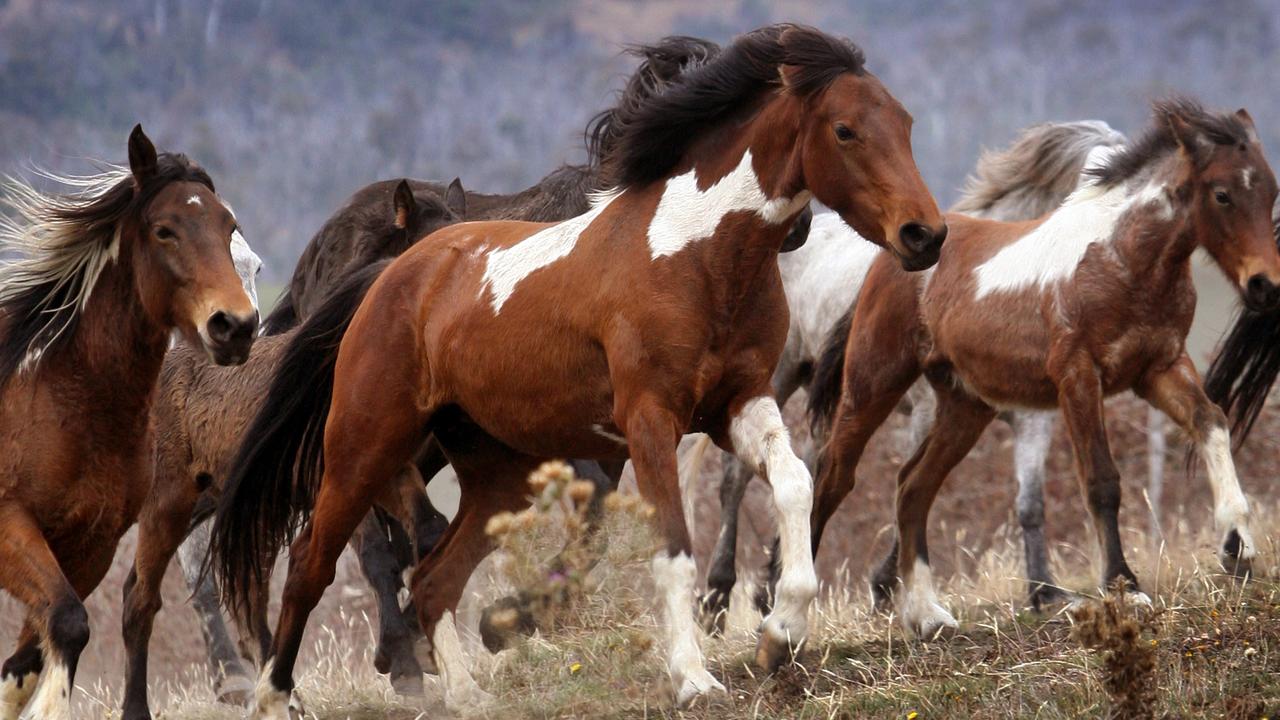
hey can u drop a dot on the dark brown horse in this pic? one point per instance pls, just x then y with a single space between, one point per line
107 274
201 411
1093 300
609 335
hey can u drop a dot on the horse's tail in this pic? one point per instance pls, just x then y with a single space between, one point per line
271 487
283 317
660 64
1242 374
1036 173
828 375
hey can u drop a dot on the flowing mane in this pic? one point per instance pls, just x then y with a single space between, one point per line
1158 141
1031 176
56 247
651 136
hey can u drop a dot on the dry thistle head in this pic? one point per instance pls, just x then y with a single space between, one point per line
1113 627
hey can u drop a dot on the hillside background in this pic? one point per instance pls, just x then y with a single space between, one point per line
294 105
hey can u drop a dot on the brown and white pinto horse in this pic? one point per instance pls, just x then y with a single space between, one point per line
1091 300
107 275
657 312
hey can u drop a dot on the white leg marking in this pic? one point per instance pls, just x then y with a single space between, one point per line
1033 434
52 699
461 693
762 442
918 606
1231 509
675 577
268 702
14 694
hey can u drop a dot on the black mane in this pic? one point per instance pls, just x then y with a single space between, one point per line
40 316
1159 140
650 137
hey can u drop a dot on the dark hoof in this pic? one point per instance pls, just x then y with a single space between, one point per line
882 594
1045 598
713 610
505 620
1232 563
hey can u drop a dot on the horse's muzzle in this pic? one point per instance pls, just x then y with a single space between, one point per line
923 243
1261 295
229 337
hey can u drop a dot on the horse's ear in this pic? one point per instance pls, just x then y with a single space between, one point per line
1247 120
404 204
455 198
142 156
1188 138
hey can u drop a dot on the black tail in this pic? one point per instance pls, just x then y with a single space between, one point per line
283 317
660 64
1242 374
271 487
828 375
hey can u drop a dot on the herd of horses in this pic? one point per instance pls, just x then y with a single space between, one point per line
677 283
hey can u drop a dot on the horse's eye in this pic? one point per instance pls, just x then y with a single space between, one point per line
1222 197
843 133
165 233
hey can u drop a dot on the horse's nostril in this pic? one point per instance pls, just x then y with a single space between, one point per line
221 326
1261 289
915 236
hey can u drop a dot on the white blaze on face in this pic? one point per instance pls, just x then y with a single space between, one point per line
1246 178
686 214
194 200
247 264
1052 252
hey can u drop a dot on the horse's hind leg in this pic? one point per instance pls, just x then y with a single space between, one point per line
233 683
1178 392
1032 436
20 672
723 573
381 568
958 424
363 452
492 478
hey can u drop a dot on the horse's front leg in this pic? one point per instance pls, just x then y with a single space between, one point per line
653 431
1080 396
761 441
1178 392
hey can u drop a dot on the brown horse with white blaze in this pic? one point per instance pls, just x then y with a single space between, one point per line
108 274
1092 300
658 312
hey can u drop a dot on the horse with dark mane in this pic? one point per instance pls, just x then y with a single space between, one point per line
203 410
822 281
1092 300
609 335
105 276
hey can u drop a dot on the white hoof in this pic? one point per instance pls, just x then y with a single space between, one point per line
1139 600
694 685
14 694
933 622
270 703
52 699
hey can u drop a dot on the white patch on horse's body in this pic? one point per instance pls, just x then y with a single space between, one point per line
1231 509
506 267
1052 252
52 699
599 429
247 264
686 214
918 606
675 578
822 278
460 689
761 441
195 200
15 691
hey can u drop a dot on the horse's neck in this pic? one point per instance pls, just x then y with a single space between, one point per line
735 222
1156 247
119 348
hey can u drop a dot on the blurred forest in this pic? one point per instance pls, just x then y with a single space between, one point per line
294 105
